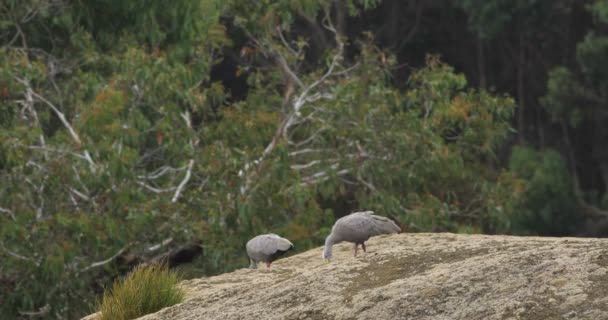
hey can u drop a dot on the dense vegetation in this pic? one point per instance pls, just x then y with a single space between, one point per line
143 291
129 128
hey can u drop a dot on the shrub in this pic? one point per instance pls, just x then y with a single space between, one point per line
548 207
145 290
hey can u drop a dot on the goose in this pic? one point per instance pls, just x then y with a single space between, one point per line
357 227
266 248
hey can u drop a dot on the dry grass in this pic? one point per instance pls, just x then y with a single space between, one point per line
143 291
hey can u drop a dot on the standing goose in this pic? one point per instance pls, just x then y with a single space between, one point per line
357 227
266 248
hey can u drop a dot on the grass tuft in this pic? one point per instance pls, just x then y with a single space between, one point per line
145 290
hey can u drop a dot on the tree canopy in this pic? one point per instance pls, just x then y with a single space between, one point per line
130 128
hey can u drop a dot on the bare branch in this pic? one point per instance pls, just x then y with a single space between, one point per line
305 166
318 96
108 260
327 23
322 173
59 114
153 189
311 138
188 119
29 93
77 175
370 186
306 95
302 98
40 313
32 12
85 156
31 163
43 143
347 70
74 202
29 105
161 172
279 59
186 116
157 246
39 187
19 34
46 149
10 213
282 62
285 43
321 176
304 151
15 37
181 186
18 256
80 194
347 181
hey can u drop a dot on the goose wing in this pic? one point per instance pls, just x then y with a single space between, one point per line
271 243
382 225
263 247
360 226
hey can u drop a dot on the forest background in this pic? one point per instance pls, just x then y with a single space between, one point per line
136 130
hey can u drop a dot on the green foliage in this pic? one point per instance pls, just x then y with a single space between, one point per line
591 55
548 206
76 198
559 100
179 24
599 8
261 17
578 94
143 291
576 100
489 18
113 126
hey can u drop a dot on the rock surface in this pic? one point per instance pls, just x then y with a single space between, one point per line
415 276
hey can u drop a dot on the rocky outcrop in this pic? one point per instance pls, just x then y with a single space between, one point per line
415 276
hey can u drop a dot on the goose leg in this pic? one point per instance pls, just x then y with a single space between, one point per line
356 245
363 246
268 265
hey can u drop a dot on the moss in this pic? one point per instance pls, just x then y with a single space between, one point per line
381 273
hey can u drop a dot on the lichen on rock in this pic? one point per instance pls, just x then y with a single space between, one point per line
415 276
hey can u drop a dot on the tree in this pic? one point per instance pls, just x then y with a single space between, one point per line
576 101
99 141
118 145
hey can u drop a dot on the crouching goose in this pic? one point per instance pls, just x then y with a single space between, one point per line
357 227
266 248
